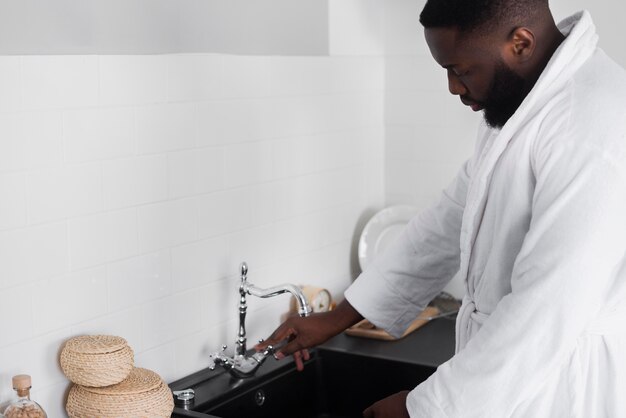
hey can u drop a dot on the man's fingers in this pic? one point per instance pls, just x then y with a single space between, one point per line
281 334
286 342
297 356
291 347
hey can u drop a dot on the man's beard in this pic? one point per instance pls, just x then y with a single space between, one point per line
506 94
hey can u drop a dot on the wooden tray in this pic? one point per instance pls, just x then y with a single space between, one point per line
366 329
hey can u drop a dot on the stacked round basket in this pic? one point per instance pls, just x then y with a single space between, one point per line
106 383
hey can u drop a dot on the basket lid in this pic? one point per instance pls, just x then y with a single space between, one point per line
95 344
138 381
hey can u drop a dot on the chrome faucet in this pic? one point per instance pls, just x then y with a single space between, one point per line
241 365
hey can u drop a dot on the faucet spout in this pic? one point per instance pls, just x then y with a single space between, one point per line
241 365
303 307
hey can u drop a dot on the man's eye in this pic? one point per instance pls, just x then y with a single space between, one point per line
458 73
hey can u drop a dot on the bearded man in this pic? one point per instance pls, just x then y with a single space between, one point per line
539 211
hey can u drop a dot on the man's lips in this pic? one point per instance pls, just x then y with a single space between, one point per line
475 106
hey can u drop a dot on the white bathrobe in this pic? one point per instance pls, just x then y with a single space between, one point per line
540 214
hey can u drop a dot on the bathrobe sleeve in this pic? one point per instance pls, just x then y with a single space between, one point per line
400 283
569 262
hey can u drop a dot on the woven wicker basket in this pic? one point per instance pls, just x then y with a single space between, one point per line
142 395
97 360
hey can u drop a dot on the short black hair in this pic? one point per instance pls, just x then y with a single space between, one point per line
472 15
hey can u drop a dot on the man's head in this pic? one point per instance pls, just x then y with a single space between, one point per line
493 50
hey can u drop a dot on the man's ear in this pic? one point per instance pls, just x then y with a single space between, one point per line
521 45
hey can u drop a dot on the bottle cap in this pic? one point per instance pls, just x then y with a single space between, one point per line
21 381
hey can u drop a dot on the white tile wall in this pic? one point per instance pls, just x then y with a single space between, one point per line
106 237
356 26
428 132
193 77
13 205
194 172
33 253
42 132
138 280
16 315
131 187
68 81
247 163
166 128
245 77
168 224
126 323
300 76
229 121
192 350
161 359
30 140
203 262
10 84
59 301
133 80
59 193
167 319
99 134
134 181
224 211
13 149
36 356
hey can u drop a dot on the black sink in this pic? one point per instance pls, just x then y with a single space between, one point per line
332 385
339 381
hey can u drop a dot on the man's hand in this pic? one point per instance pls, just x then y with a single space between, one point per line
393 406
304 333
301 333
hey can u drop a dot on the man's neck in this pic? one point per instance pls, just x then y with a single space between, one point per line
551 38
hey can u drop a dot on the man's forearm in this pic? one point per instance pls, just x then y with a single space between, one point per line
344 316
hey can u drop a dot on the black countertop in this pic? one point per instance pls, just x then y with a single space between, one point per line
431 345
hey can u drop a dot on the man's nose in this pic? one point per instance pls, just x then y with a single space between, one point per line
455 85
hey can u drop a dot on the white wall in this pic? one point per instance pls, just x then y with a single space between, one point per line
608 18
260 27
428 132
356 27
133 186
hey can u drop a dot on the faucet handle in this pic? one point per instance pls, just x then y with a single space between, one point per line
212 362
269 350
215 358
221 359
273 349
244 270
